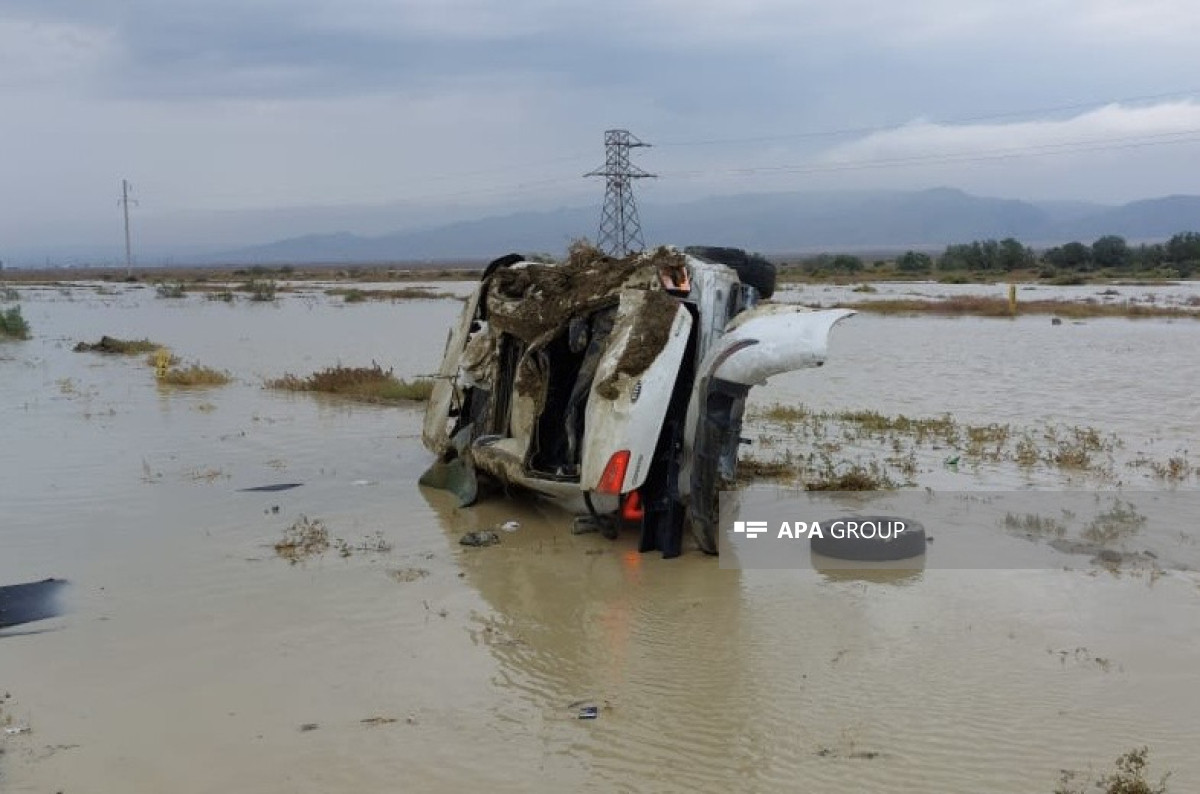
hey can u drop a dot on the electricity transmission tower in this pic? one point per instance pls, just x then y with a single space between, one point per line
124 202
620 228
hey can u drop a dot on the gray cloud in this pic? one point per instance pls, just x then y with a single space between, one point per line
218 104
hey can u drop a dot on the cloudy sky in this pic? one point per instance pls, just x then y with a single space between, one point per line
241 121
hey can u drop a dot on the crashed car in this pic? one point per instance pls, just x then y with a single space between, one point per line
615 385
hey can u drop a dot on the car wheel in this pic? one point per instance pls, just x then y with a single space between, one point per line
508 260
901 546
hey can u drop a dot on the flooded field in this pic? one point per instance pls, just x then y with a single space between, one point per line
195 656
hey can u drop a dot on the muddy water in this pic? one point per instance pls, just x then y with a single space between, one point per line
193 659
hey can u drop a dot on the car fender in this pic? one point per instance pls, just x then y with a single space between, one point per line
757 344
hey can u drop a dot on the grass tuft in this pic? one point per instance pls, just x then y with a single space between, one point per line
355 295
987 306
194 375
261 290
369 384
13 325
1129 777
303 539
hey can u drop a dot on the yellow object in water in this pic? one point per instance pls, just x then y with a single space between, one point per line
162 360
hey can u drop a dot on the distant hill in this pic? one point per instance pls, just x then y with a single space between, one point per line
768 222
1152 219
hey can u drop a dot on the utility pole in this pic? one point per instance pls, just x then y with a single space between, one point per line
620 229
125 186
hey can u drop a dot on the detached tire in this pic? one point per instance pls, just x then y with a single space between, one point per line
909 543
752 269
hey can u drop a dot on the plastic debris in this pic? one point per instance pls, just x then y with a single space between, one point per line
589 713
17 730
510 526
283 486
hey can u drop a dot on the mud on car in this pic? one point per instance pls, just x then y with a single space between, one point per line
615 385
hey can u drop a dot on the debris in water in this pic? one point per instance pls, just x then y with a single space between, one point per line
589 713
408 574
16 730
510 526
282 486
378 720
482 537
303 539
309 726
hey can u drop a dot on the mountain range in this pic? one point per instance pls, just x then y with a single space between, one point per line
772 223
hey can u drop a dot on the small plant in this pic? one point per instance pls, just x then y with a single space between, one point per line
225 295
153 361
119 347
303 539
194 375
176 290
864 288
370 384
12 324
1034 525
1120 521
261 290
856 478
1129 778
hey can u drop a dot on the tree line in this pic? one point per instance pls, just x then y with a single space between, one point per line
1178 257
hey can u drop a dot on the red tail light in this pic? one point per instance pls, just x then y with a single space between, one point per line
631 507
614 473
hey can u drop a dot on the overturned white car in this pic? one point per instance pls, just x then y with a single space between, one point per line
616 383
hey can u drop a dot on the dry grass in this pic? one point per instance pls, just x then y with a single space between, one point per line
897 447
194 375
369 384
354 295
152 359
119 347
752 469
987 306
303 539
856 479
1129 777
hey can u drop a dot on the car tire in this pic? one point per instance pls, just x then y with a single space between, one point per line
909 543
752 269
508 260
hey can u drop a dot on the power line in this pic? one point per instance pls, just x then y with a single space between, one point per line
1039 150
867 130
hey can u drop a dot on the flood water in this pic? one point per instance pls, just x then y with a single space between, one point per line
192 658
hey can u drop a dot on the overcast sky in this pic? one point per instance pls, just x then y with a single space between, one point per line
242 119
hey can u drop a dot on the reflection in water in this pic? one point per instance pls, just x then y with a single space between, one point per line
660 646
888 572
